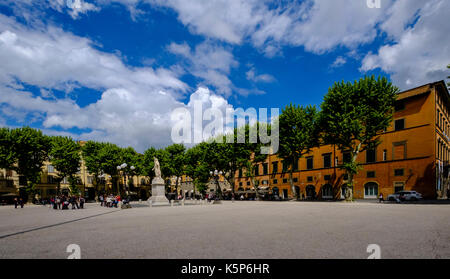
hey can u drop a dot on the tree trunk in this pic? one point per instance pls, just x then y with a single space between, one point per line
176 189
252 181
349 192
291 181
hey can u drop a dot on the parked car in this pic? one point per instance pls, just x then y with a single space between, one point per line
405 196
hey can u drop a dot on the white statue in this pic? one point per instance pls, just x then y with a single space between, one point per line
157 168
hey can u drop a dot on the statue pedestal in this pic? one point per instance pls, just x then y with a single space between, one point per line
158 193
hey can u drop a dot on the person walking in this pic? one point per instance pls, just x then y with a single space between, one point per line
381 198
81 202
101 198
16 202
21 203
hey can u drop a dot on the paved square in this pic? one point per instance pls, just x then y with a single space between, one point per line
229 230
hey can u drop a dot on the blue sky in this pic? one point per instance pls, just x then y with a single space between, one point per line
113 70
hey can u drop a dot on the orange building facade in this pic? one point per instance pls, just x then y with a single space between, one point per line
413 155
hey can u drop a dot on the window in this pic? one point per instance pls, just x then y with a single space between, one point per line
265 168
50 179
265 182
285 166
327 191
295 180
371 156
240 173
310 163
256 170
327 160
327 177
274 167
399 106
347 157
22 180
399 186
399 124
240 184
295 165
346 176
285 180
370 190
399 151
309 179
275 181
370 174
90 179
385 155
248 183
399 172
50 169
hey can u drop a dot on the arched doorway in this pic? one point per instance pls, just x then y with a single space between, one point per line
327 192
371 190
276 191
310 192
297 192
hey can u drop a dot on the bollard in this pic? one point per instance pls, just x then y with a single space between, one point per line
182 202
171 202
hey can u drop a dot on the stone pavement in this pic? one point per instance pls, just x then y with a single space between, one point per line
236 230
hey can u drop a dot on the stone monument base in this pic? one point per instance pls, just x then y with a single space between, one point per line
158 193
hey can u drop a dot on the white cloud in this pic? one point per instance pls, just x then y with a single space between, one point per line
135 104
252 76
210 62
340 61
419 54
318 25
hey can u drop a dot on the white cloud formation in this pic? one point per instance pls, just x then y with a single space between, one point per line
420 53
210 62
340 61
252 76
135 104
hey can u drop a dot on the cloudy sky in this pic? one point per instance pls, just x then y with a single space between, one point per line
114 70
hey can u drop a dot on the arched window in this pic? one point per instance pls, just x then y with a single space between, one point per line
371 190
327 191
310 192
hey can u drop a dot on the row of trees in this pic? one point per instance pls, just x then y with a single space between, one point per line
352 117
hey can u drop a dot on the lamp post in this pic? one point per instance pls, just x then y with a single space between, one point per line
215 174
123 168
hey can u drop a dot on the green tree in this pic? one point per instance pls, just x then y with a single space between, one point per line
91 156
130 157
176 162
298 134
7 154
253 152
65 156
354 115
30 147
110 156
196 166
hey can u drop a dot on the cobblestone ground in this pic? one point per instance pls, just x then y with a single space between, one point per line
236 230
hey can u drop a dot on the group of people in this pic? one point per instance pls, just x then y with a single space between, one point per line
63 202
18 201
111 200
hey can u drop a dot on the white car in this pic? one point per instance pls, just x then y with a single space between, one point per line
405 196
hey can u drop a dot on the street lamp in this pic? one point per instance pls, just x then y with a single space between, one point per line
123 168
215 174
